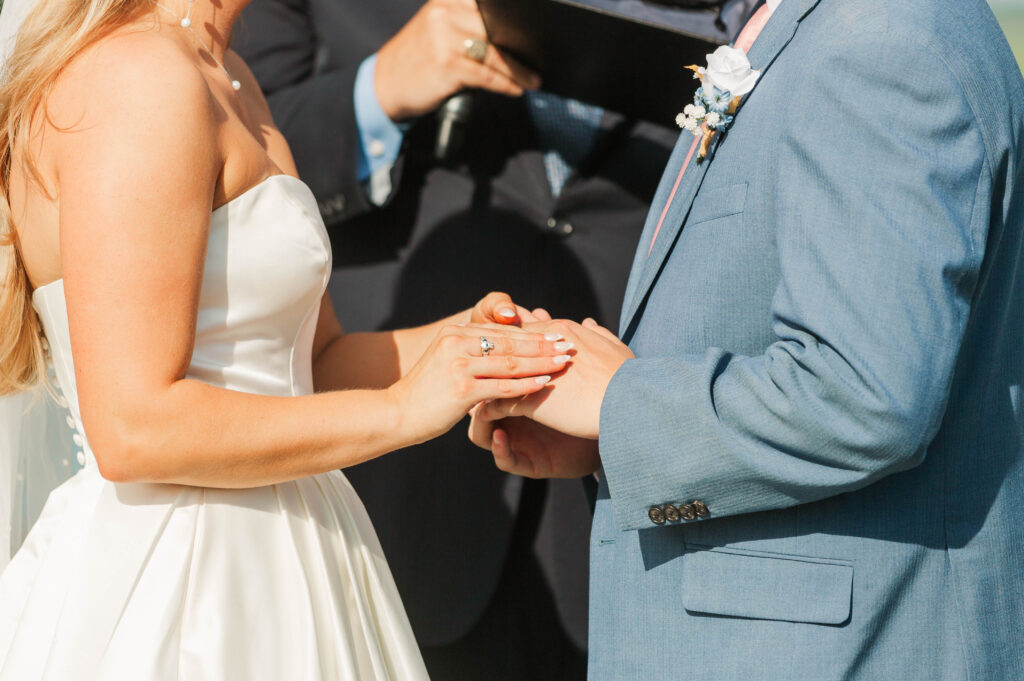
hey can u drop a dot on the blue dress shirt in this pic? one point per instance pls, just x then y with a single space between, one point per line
380 137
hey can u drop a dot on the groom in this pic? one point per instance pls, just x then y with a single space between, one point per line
811 453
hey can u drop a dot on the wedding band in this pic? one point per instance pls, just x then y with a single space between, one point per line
475 49
486 345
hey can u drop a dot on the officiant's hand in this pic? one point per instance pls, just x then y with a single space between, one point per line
524 447
571 403
426 62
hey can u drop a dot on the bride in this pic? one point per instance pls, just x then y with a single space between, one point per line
157 238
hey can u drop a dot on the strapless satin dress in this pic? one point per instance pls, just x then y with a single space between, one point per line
145 582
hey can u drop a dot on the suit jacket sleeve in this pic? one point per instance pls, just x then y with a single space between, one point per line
313 109
881 213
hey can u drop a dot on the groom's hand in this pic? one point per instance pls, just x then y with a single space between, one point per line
498 308
524 447
571 403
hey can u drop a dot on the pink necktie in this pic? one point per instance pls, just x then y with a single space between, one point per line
745 40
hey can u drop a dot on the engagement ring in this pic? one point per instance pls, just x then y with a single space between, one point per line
486 345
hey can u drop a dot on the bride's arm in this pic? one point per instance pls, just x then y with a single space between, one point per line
134 145
377 360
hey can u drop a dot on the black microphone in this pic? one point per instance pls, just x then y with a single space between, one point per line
452 120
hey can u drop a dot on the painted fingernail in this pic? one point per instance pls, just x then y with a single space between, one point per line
552 336
564 346
543 380
508 314
561 359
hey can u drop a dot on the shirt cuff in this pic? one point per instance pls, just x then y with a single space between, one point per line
380 138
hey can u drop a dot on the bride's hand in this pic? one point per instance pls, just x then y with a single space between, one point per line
453 375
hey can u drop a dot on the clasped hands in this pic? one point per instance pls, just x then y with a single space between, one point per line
552 433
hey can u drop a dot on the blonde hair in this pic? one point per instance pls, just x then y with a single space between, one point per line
54 33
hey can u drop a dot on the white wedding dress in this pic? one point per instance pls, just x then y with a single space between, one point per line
144 582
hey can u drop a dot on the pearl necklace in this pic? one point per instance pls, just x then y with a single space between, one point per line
186 23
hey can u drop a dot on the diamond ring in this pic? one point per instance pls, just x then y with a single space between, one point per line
485 346
475 49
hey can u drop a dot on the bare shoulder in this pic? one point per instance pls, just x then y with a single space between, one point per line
259 111
133 79
240 70
250 86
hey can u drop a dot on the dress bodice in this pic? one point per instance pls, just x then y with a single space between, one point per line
121 580
267 264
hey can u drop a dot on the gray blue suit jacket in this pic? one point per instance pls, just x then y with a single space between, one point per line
830 357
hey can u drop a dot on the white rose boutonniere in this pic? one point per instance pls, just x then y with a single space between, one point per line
729 71
724 82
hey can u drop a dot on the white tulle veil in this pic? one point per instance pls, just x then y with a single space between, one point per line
35 444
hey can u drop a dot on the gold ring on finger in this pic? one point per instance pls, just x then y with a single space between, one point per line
486 345
475 49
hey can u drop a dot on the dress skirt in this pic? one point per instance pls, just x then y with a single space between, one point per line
143 582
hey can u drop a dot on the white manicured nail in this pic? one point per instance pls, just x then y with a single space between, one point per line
552 336
564 346
562 359
543 380
508 314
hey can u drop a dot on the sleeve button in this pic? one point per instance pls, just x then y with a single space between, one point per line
687 512
701 509
656 515
671 513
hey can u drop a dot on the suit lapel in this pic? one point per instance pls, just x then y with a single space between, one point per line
661 195
773 39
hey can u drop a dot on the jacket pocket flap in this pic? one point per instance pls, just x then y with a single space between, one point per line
718 202
791 589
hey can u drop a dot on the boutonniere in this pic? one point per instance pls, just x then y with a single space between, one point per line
723 83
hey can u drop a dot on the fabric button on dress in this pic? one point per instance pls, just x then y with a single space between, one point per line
80 457
71 423
77 439
656 515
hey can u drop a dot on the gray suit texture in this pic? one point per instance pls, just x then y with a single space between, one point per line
829 334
